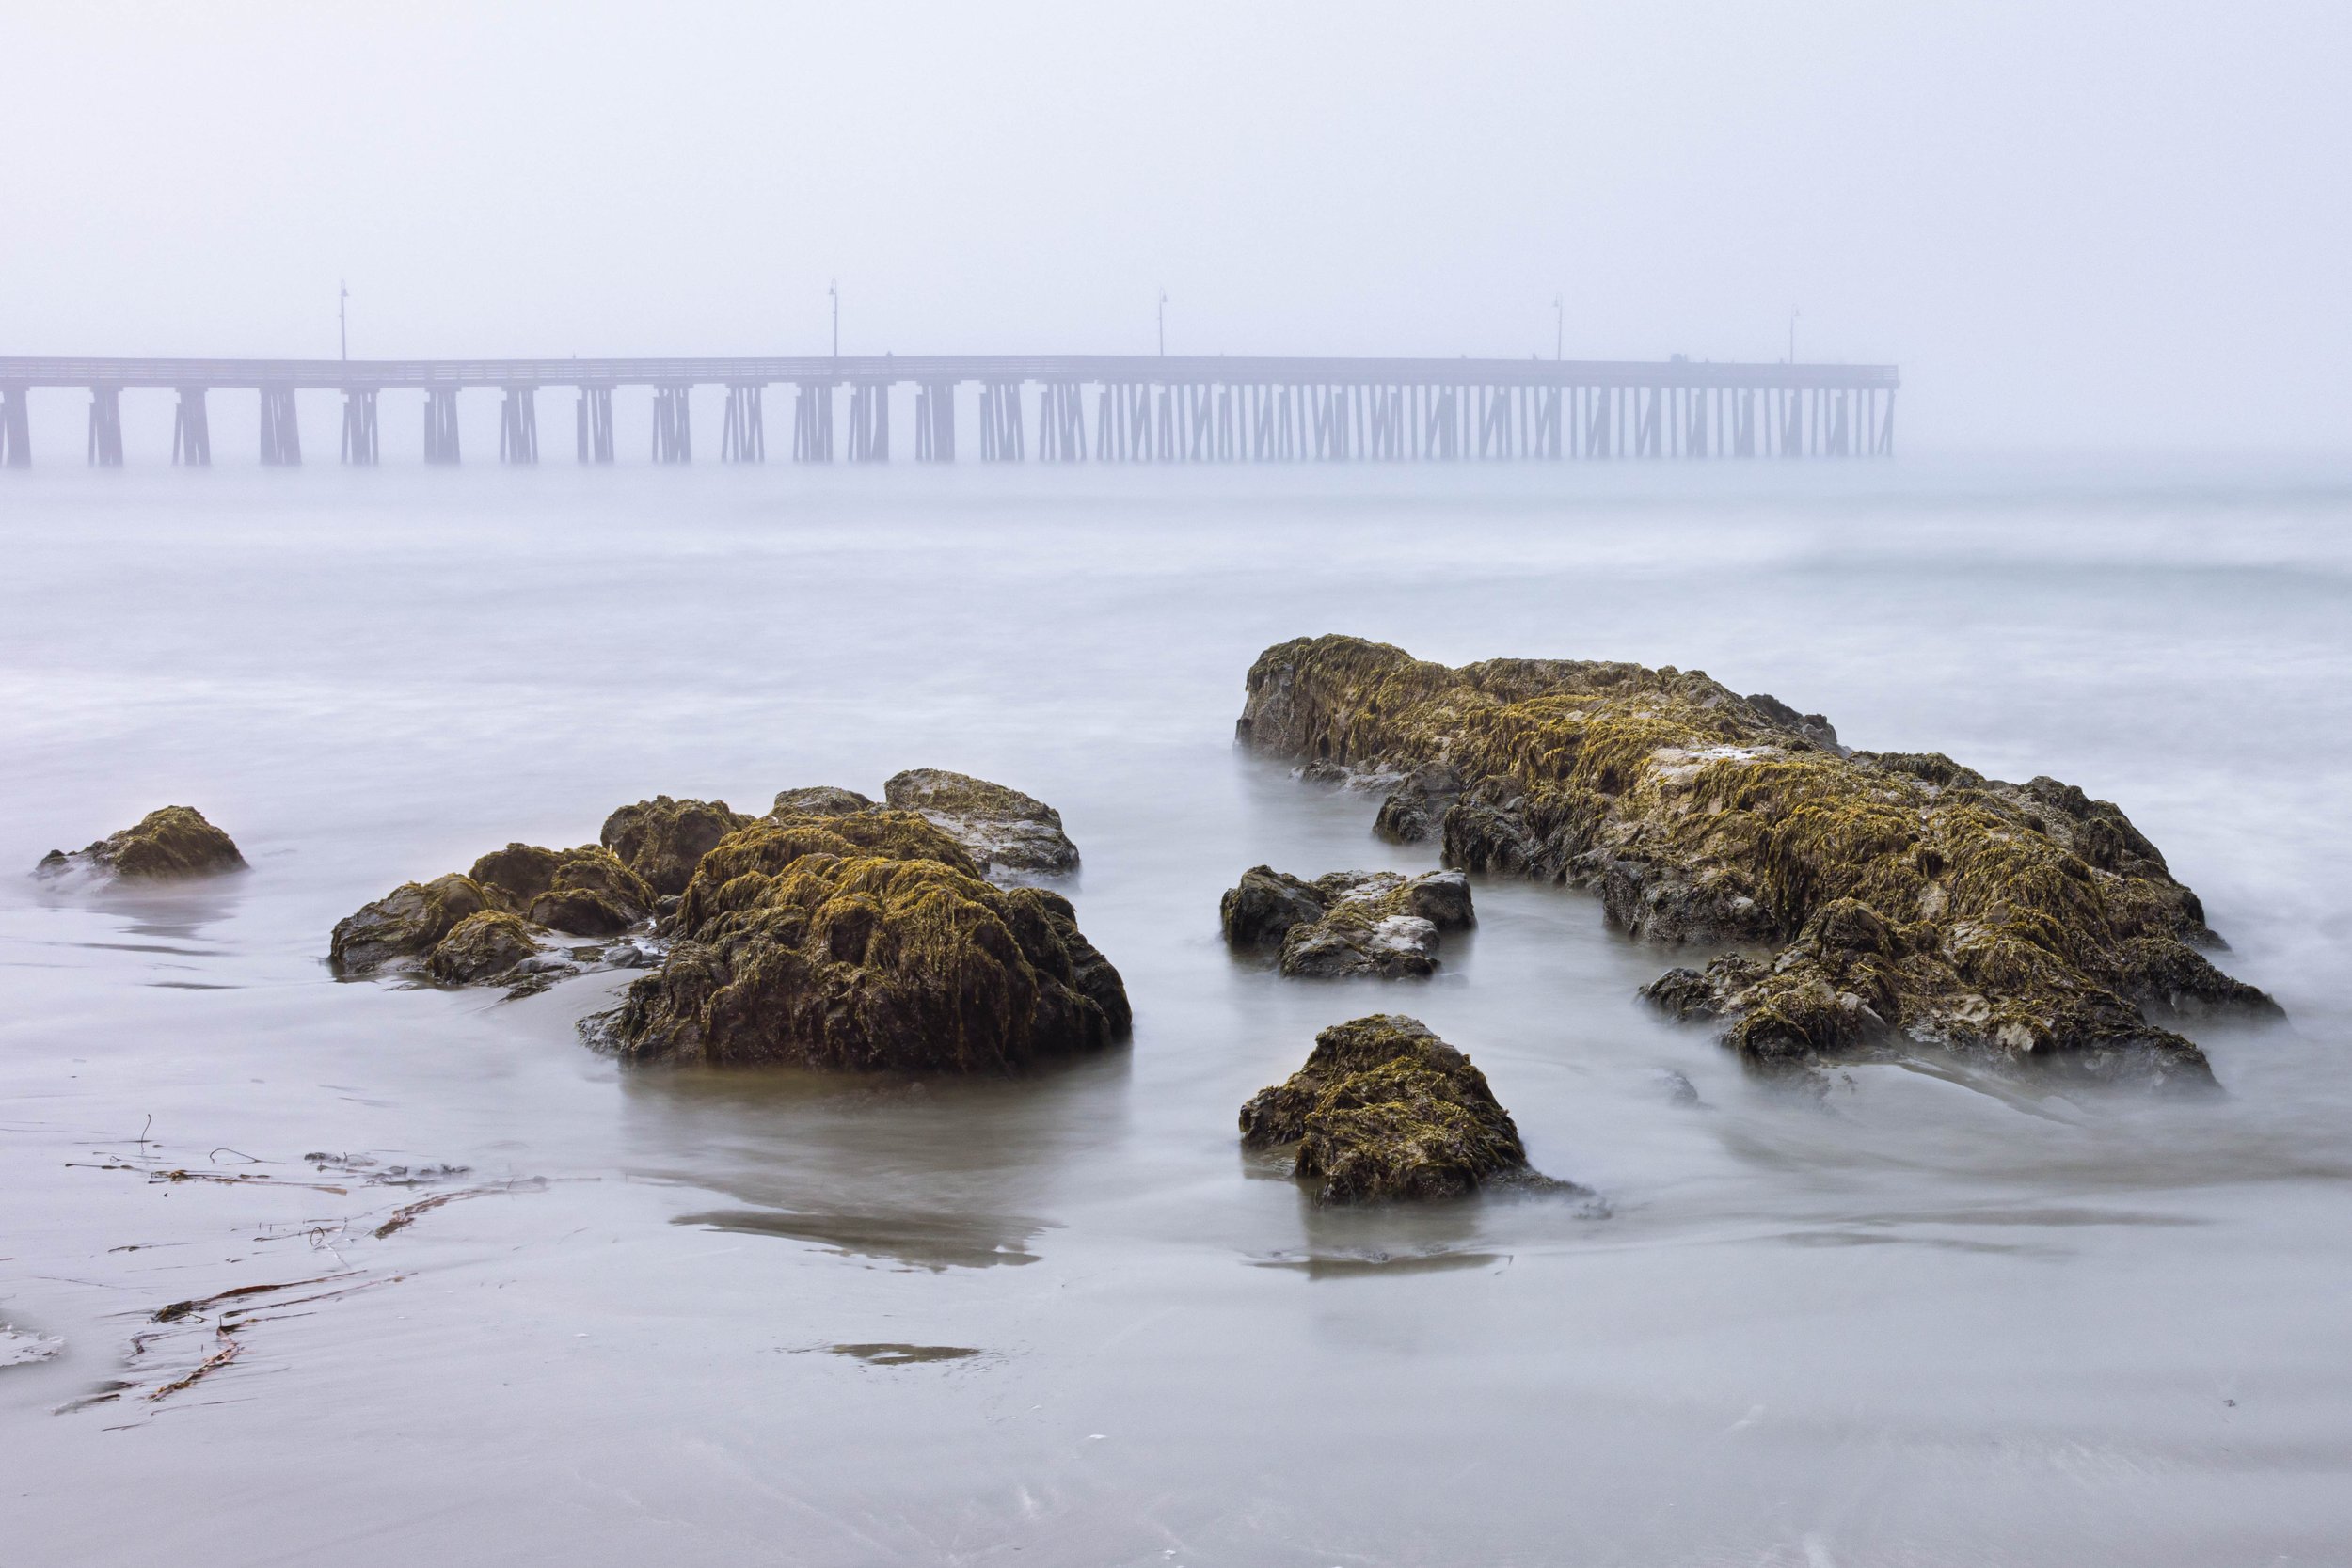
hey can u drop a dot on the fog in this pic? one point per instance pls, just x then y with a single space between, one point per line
2097 225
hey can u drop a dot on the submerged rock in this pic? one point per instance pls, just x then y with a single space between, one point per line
166 845
1385 1109
1380 923
663 840
866 941
1907 900
1000 828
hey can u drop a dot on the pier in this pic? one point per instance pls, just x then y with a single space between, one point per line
1052 409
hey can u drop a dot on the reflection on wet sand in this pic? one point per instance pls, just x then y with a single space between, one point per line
936 1174
1357 1265
935 1243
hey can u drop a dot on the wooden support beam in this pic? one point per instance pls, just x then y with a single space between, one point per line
440 426
360 430
281 433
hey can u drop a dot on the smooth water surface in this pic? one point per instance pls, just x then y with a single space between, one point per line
693 1317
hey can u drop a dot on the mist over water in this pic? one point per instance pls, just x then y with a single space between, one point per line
723 1317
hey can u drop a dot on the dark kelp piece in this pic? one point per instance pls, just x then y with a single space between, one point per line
862 942
1908 898
1385 1109
166 845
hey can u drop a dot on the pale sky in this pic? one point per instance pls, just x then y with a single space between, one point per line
2073 224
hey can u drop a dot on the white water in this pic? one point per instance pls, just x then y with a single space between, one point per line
1913 1323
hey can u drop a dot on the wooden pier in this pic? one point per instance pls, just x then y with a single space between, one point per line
1066 408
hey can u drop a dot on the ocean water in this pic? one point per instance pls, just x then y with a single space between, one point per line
696 1317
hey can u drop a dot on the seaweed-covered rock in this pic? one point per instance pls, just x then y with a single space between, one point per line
1001 829
587 891
866 940
1907 898
166 845
1385 1109
1415 808
1261 908
663 840
1382 923
480 947
407 923
819 801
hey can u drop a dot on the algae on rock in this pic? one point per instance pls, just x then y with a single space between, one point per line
166 845
1000 828
1383 923
819 801
1385 1109
586 891
1907 898
480 947
663 840
866 941
407 923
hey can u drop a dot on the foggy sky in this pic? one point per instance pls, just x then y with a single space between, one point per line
2091 225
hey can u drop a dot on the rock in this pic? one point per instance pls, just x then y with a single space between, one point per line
1382 923
1678 1089
626 955
1413 810
820 801
407 922
482 946
663 840
1385 1109
1906 901
1259 911
587 892
862 942
1811 725
1002 829
166 845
